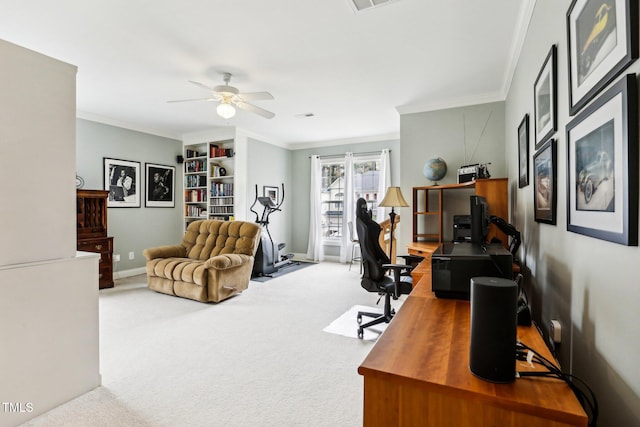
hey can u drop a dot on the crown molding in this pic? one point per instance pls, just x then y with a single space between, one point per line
125 125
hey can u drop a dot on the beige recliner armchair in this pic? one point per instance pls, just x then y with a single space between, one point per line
213 262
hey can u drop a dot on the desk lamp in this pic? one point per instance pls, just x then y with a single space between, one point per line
392 199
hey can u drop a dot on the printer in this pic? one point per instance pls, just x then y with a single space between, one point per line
454 264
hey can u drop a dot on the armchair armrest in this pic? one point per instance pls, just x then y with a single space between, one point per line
165 252
225 261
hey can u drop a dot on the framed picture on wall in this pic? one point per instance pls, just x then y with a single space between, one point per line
602 166
160 186
122 180
545 183
545 100
271 192
523 152
602 36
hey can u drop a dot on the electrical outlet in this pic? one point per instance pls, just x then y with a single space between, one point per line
116 258
132 255
555 331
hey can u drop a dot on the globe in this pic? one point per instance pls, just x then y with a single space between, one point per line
435 169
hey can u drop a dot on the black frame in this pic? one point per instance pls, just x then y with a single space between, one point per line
608 128
113 167
545 197
546 81
613 62
162 193
523 152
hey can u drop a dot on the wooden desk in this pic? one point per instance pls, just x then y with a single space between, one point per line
417 374
424 249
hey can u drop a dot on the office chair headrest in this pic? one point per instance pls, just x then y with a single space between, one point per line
361 210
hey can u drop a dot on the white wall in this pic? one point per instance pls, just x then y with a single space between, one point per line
49 304
37 156
50 349
590 285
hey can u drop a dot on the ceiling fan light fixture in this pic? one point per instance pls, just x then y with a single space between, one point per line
225 110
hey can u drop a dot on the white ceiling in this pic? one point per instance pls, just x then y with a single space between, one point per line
355 72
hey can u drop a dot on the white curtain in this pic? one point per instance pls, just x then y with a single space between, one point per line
315 249
384 181
348 208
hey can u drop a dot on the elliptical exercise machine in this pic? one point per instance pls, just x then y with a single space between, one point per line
268 259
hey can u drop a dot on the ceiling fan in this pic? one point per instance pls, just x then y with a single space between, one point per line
229 96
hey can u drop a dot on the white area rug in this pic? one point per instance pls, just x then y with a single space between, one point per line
347 324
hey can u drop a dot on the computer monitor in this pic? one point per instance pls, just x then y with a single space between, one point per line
479 220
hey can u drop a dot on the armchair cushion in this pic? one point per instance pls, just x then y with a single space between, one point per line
213 262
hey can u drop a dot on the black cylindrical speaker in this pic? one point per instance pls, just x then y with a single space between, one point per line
179 159
494 318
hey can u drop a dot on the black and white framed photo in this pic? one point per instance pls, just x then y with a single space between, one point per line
545 99
523 152
160 186
602 166
122 180
271 192
545 183
602 38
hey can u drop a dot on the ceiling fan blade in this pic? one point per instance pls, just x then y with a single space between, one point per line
195 99
202 85
256 96
254 109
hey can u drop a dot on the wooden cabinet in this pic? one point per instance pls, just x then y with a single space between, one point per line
428 216
91 218
209 181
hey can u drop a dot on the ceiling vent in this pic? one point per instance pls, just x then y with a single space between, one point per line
361 5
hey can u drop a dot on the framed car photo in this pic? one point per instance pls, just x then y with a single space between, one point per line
545 183
602 38
602 166
523 152
545 99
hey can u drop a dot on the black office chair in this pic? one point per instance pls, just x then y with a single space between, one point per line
376 264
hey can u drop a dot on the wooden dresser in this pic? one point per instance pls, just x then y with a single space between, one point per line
91 208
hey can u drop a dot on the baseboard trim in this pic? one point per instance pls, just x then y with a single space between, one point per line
128 273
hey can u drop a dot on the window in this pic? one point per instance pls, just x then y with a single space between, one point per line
366 175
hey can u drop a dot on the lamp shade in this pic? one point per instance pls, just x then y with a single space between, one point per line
226 111
393 198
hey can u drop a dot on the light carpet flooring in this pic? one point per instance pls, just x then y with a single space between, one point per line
258 359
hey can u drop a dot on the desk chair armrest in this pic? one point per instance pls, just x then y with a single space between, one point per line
412 260
398 267
397 272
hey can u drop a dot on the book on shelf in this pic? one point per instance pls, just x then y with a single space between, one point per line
191 153
221 189
195 196
216 151
195 211
218 171
195 166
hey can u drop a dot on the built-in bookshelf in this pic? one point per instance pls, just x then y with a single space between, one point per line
208 181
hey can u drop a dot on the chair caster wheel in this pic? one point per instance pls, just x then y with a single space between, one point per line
359 319
360 333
